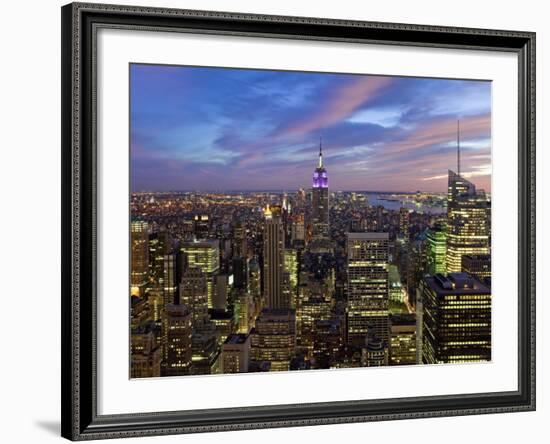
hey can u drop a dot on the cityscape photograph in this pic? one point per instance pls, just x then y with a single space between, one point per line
288 220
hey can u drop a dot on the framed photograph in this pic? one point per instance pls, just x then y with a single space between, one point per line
281 221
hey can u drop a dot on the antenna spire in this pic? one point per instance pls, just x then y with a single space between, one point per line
458 145
320 152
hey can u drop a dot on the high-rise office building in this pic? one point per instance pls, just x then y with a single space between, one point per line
291 275
456 319
395 284
404 223
368 293
436 249
478 265
403 339
146 353
291 266
328 341
235 355
240 273
140 312
205 255
273 251
201 226
204 339
139 257
314 304
224 323
176 340
172 277
205 351
416 268
320 200
222 283
254 282
375 352
274 338
467 222
244 311
194 294
240 246
160 244
298 229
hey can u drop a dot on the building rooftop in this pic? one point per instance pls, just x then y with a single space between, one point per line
236 338
219 314
477 257
201 243
456 284
368 235
278 312
403 319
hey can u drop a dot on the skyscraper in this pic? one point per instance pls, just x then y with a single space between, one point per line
291 272
221 290
240 247
328 342
176 340
274 338
235 355
201 226
139 258
243 310
274 258
478 265
205 255
240 273
194 294
368 293
456 319
319 200
160 244
145 353
404 222
171 277
375 352
403 339
298 231
436 249
467 219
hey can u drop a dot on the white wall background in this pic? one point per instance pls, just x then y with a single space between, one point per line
30 218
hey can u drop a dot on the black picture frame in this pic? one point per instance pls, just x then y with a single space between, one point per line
80 420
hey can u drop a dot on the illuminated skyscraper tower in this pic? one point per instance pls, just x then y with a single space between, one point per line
194 294
139 271
319 200
368 293
456 319
404 222
467 222
206 256
176 340
436 242
467 218
274 240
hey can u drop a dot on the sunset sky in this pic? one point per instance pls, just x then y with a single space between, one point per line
233 129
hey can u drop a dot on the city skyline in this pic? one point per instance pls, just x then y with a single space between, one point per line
215 129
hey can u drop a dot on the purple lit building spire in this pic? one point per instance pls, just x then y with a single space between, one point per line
320 178
319 200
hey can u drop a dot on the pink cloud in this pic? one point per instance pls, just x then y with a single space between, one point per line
340 104
443 131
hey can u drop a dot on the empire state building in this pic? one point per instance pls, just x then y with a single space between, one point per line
319 200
